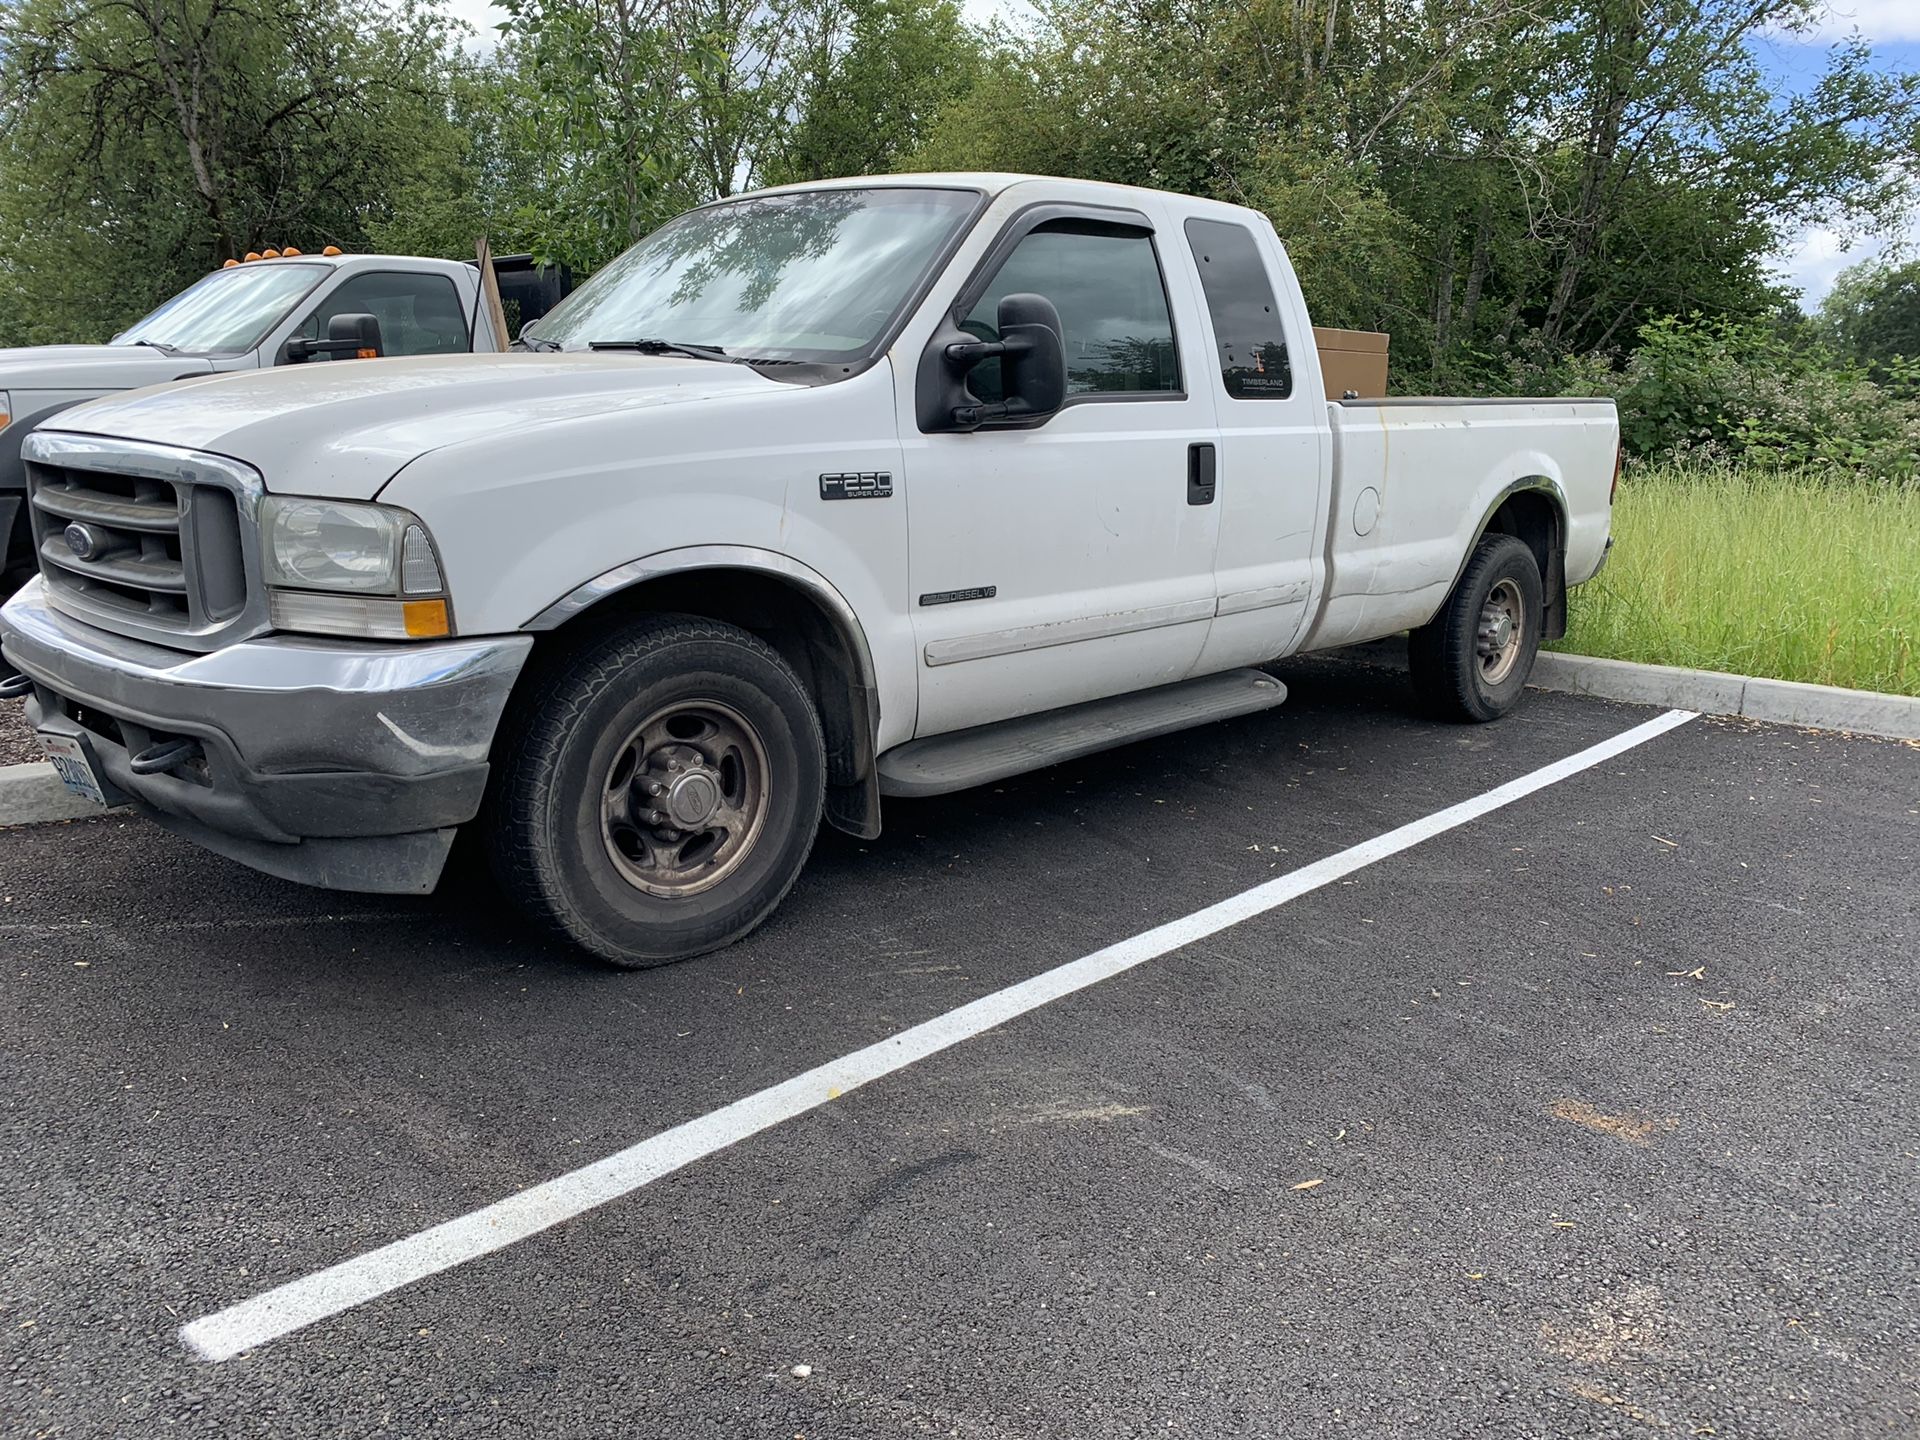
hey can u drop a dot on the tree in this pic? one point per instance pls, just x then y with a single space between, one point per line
880 72
640 109
1872 315
146 140
1474 175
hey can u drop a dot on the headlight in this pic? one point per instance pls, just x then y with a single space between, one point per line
335 568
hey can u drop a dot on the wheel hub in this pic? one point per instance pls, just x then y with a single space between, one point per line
689 797
1497 637
1496 631
685 798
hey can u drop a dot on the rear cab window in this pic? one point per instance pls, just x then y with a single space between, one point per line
1249 338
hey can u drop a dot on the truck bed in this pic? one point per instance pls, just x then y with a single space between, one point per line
1415 479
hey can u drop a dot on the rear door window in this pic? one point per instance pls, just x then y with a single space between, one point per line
1251 341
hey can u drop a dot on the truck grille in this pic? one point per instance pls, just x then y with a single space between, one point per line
146 540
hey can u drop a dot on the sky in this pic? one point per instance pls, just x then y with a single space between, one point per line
1810 260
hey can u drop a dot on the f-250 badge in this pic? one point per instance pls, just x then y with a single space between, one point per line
857 485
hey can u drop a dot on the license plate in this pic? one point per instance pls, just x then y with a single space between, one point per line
71 765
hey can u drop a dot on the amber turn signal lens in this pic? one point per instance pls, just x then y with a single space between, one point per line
426 618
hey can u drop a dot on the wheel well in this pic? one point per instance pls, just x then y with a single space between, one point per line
1532 517
807 635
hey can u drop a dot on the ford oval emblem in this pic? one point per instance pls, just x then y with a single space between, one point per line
85 543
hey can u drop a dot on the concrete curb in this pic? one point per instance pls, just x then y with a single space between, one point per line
1779 702
32 793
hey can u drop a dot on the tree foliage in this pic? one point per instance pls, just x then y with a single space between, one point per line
1463 172
1520 191
1872 317
143 141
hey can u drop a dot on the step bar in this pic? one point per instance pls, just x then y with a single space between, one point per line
961 759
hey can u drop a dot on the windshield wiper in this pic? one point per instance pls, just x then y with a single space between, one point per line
161 346
663 347
538 344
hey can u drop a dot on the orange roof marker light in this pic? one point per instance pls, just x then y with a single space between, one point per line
331 250
291 250
269 254
229 264
251 255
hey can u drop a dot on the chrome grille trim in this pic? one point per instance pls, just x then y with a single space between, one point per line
80 503
177 574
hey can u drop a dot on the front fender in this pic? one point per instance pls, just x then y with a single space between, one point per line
714 557
535 523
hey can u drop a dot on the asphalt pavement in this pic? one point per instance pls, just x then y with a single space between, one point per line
1591 1117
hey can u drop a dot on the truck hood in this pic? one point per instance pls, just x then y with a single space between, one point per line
345 428
94 367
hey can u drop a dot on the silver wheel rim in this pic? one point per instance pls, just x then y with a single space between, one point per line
684 798
1502 623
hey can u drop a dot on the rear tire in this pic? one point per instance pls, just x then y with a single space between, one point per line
1472 660
657 795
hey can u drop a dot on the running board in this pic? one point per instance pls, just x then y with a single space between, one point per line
965 758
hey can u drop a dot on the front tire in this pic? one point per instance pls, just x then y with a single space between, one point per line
1472 660
657 795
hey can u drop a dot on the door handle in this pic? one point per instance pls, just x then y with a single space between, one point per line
1200 473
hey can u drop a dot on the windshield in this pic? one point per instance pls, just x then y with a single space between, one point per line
230 310
813 275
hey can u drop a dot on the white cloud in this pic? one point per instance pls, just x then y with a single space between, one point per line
1817 256
1881 20
482 15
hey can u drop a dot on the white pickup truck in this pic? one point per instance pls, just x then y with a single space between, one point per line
249 315
872 488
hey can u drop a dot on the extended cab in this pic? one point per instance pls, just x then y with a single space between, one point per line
246 316
871 488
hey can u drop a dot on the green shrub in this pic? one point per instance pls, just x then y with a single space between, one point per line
1741 392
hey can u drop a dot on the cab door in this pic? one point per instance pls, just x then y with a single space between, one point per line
1070 559
1275 460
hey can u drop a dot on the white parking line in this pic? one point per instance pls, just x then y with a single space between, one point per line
302 1302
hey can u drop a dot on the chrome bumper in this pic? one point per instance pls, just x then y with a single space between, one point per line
343 764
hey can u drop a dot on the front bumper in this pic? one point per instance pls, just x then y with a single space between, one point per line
343 764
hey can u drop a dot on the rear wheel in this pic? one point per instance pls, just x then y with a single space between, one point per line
658 794
1471 662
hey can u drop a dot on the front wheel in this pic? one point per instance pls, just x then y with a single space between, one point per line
657 795
1472 660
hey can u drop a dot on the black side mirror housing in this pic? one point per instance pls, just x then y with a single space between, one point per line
1033 369
351 337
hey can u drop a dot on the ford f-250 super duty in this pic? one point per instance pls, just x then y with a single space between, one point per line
265 311
816 496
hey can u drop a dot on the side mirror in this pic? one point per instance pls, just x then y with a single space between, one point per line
1033 368
351 337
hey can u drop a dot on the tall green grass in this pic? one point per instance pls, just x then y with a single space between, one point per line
1794 577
